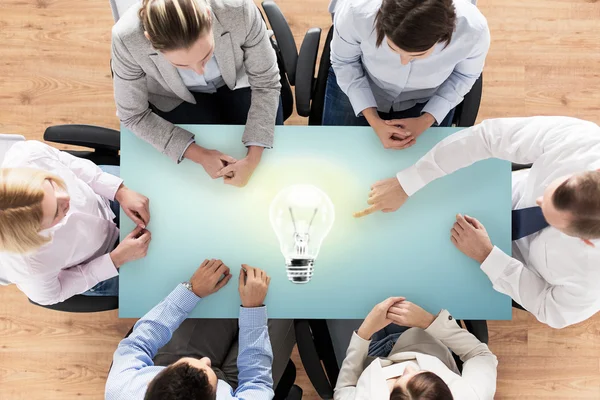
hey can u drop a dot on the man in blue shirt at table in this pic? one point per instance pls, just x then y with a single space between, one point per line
200 361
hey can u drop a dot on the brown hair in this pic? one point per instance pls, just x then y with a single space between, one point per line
175 24
21 213
580 196
423 386
180 381
415 25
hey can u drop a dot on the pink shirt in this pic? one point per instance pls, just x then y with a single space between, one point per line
77 257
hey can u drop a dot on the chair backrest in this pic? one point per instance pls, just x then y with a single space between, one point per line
119 7
6 142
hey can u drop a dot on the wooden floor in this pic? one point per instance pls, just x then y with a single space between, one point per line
54 69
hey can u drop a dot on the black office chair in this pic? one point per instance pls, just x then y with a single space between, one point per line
105 144
285 390
318 356
310 90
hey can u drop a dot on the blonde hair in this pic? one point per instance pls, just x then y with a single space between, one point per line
175 24
21 214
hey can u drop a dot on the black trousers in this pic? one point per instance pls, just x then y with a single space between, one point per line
225 107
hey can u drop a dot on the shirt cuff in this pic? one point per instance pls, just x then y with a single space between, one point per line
441 323
192 141
107 185
439 107
104 268
410 180
361 99
257 144
495 264
184 298
255 317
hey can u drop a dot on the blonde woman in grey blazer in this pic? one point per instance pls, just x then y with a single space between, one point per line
385 362
197 62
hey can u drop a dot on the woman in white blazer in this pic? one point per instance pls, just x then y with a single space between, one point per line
384 362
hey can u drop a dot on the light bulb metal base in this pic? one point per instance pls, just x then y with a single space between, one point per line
300 270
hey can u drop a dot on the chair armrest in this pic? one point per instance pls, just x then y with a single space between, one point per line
517 167
283 36
96 137
469 108
318 97
84 304
305 70
311 360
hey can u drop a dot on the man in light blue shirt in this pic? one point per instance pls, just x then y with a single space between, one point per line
401 66
199 362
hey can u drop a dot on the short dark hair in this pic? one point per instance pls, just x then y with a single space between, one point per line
415 25
580 196
423 386
180 382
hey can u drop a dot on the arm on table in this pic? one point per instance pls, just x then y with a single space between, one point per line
131 97
255 356
557 306
459 83
260 62
149 334
480 364
69 282
519 140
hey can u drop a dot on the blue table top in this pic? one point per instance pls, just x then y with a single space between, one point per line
362 261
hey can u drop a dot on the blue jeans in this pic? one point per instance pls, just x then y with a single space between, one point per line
383 341
338 109
109 287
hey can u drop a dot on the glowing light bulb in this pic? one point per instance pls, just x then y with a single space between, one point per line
301 216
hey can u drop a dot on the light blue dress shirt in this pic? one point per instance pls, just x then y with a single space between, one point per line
374 77
133 368
207 83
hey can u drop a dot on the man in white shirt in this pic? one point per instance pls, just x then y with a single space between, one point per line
555 272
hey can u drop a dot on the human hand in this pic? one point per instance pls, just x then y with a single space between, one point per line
135 205
409 314
211 160
253 286
392 136
133 247
210 277
377 318
239 173
416 126
471 238
386 195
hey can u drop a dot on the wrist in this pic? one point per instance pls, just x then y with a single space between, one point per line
120 193
365 333
195 153
371 116
116 258
485 254
255 154
427 119
428 321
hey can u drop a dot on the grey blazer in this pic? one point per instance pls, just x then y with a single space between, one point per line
142 75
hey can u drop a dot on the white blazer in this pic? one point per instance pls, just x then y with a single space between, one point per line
429 349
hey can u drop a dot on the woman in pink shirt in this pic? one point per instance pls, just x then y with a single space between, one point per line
58 224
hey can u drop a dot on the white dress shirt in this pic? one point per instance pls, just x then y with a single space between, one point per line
554 276
77 257
373 76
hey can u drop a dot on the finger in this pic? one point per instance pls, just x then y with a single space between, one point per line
462 222
268 280
393 121
227 159
226 171
474 221
221 270
144 213
455 233
204 263
457 227
390 301
249 270
223 282
217 263
454 241
242 276
410 143
211 264
134 217
145 237
135 233
367 211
